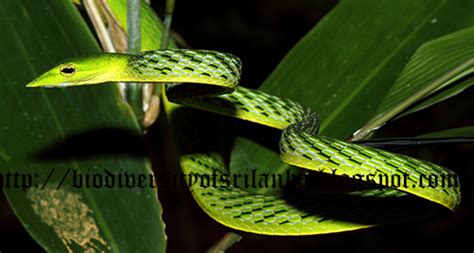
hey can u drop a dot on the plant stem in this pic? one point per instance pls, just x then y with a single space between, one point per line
225 243
133 90
165 38
133 26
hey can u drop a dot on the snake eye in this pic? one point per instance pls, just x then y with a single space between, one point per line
67 70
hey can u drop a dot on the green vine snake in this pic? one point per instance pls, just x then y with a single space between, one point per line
209 81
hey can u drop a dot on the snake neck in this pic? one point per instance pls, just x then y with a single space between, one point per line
192 66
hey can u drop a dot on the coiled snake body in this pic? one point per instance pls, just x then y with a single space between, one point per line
215 77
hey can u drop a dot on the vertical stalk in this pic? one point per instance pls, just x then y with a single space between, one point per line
165 38
134 90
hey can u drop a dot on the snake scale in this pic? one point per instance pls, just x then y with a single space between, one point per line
209 80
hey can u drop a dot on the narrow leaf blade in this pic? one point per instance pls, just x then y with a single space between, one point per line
435 65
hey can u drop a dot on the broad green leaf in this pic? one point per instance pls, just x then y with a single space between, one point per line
347 63
54 134
435 65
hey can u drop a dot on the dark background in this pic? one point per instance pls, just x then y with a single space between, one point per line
261 33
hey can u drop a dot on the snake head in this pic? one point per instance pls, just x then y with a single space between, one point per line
81 71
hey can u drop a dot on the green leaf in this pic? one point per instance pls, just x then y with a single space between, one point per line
50 134
448 136
443 94
461 132
347 63
437 64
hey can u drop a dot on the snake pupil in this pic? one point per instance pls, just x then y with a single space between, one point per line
69 70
